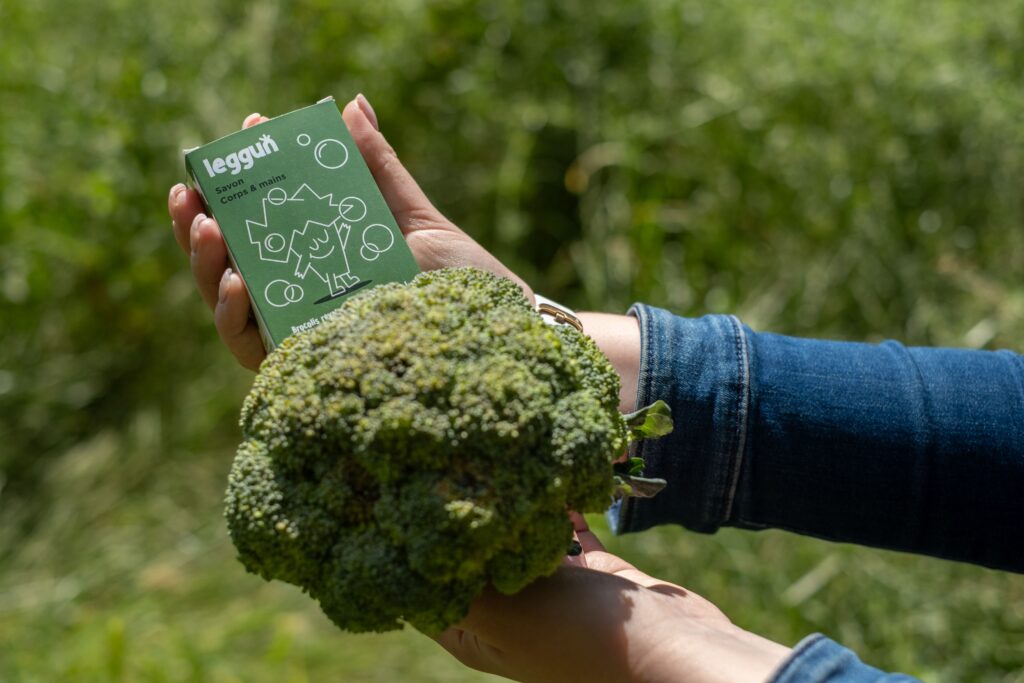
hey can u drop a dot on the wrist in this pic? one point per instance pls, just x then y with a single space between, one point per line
618 337
753 657
714 653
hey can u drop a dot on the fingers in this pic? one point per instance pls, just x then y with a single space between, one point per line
434 240
208 256
223 290
579 522
367 109
577 556
587 538
235 326
586 541
597 558
407 201
253 119
183 204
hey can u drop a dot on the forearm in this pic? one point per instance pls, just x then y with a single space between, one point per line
618 336
913 449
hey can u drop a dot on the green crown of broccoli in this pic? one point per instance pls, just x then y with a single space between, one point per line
423 443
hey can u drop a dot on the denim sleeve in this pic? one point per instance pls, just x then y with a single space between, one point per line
816 659
912 449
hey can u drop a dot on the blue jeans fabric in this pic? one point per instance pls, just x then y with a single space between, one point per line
913 449
818 659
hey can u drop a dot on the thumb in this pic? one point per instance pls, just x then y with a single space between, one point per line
403 195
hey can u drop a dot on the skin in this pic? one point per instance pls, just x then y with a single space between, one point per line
434 240
597 618
608 622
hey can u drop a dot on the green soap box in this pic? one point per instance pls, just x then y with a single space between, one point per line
304 222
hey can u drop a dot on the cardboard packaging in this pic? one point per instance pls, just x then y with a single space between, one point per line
304 222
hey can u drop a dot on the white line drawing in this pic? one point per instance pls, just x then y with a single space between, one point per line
303 139
290 292
383 239
318 247
271 235
352 209
312 245
277 196
334 148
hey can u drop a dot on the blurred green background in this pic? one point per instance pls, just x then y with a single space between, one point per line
840 169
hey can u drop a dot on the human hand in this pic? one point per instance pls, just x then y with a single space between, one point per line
434 240
608 622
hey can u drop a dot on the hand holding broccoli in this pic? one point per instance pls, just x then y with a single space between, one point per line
422 444
610 622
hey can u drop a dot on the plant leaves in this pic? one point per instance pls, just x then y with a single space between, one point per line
627 486
632 467
650 422
636 467
621 489
642 487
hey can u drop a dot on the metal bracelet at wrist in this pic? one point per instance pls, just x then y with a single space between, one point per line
554 313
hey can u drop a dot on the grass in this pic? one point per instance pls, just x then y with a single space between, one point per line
143 586
842 170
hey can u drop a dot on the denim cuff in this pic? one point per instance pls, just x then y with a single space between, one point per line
701 368
816 659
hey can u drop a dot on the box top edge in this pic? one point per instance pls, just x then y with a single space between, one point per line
186 152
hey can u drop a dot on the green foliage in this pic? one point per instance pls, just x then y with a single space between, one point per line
423 443
840 169
649 422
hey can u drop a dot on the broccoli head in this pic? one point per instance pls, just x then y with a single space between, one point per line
423 442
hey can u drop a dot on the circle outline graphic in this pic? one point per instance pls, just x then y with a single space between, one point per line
372 249
277 196
290 297
341 209
319 150
303 139
270 236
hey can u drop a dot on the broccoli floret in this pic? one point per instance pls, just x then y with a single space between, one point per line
423 442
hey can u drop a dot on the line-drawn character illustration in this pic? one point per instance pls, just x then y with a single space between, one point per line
317 246
272 234
313 247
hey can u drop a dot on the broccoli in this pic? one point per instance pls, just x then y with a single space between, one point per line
423 442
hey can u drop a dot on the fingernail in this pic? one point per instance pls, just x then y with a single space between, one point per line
222 290
367 109
253 117
179 194
176 190
193 233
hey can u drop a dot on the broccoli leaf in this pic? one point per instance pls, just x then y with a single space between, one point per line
633 467
650 422
644 487
629 486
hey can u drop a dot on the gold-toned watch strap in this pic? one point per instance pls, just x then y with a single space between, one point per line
558 313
